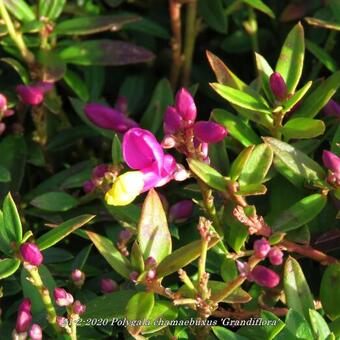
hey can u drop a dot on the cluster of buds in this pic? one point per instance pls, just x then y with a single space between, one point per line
262 249
332 162
78 277
31 254
204 227
123 239
62 297
184 133
23 323
33 94
181 211
4 112
108 286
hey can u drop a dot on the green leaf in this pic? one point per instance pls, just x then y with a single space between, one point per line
224 333
229 270
20 9
329 291
319 325
105 52
207 174
153 233
51 65
236 127
293 164
162 97
298 325
62 230
240 161
19 68
300 213
264 71
139 307
336 140
77 85
117 156
182 257
11 219
303 128
296 97
5 243
261 6
136 258
8 267
251 190
213 14
335 327
322 55
111 254
108 306
290 62
257 166
319 97
298 294
93 24
51 9
55 201
323 23
5 175
240 98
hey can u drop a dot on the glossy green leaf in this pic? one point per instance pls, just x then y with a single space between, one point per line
300 213
323 23
181 257
19 68
261 6
335 141
93 24
296 97
153 233
322 55
213 14
223 333
293 164
319 97
136 258
5 243
108 306
111 254
207 174
55 201
139 307
329 291
236 127
335 327
5 175
74 81
218 155
11 219
240 161
319 325
290 62
62 230
105 52
116 150
303 128
298 294
51 9
8 267
20 9
251 190
298 325
229 270
265 71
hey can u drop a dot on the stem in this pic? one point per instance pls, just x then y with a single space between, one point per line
232 7
201 268
190 38
176 41
16 36
45 296
73 333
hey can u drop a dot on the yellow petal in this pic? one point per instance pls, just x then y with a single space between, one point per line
125 188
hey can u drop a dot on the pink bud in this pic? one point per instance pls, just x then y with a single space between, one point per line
134 276
172 121
108 286
30 94
124 235
209 132
264 277
78 308
332 162
278 86
242 267
23 321
100 170
332 108
150 262
62 297
31 254
185 105
88 187
25 305
261 248
151 274
181 211
35 332
78 277
275 256
61 321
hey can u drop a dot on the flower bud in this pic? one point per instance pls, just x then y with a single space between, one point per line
278 86
78 308
134 276
62 297
181 211
275 256
150 262
108 286
332 108
61 321
33 94
332 162
31 254
242 267
172 121
185 105
264 277
100 170
261 248
25 306
88 186
23 321
151 274
78 277
35 332
209 132
125 235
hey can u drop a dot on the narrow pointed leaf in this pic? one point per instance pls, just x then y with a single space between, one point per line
322 55
301 127
20 9
296 97
332 25
51 9
264 71
251 190
8 267
240 161
261 6
11 219
55 201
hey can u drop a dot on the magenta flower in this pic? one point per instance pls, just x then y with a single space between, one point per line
108 118
108 286
181 211
185 105
31 254
332 108
278 86
209 132
100 170
275 256
35 332
261 248
332 162
24 320
173 121
33 94
264 277
62 297
89 186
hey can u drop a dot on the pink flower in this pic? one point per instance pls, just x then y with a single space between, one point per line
78 308
264 277
150 262
62 297
108 286
332 162
141 151
181 211
278 86
108 118
332 108
209 132
33 94
173 121
31 254
185 105
23 321
275 256
261 248
35 332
